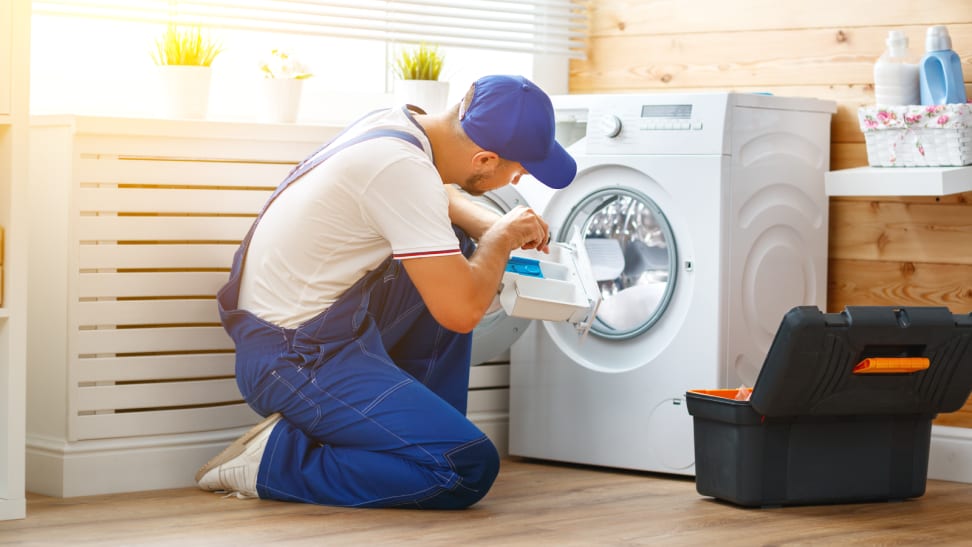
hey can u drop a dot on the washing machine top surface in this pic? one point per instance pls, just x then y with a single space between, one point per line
662 123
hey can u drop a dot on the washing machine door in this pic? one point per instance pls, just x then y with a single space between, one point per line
497 331
633 254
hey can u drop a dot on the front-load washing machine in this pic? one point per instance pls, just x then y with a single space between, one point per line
705 219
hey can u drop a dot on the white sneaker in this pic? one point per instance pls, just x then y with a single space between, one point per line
234 470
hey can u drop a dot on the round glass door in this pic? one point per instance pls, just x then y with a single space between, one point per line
633 258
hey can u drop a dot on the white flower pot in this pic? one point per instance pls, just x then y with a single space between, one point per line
281 99
185 90
429 95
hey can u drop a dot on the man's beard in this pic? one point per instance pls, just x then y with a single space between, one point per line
472 185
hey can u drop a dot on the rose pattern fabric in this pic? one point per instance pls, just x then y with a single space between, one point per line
941 116
910 120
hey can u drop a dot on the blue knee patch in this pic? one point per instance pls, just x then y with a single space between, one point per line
477 465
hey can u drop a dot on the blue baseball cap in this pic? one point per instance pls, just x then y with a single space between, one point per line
511 116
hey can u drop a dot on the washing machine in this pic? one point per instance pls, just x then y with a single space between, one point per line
705 219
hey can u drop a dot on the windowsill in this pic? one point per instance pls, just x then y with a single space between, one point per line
56 118
320 109
189 130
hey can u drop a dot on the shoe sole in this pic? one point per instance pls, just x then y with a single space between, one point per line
238 446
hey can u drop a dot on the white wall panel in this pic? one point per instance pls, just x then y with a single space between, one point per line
174 172
154 367
147 312
147 284
162 256
171 228
151 200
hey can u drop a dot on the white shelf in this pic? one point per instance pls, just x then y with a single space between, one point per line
4 313
899 181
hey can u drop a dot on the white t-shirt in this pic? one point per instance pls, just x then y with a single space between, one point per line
342 219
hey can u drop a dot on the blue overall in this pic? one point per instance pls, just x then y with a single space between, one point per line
372 391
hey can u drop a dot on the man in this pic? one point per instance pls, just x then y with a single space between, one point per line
352 300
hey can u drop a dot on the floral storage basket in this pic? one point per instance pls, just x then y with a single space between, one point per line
918 136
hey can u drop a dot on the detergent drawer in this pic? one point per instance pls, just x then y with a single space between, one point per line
558 286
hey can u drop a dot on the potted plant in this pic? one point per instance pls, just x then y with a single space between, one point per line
417 70
283 78
184 56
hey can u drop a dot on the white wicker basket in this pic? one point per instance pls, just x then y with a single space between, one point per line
918 136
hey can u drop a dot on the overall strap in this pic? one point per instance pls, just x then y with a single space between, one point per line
227 297
318 158
330 141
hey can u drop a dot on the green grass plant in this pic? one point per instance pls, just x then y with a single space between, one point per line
424 62
185 46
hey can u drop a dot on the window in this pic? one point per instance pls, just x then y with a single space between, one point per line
100 50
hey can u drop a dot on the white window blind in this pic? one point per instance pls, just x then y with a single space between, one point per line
552 27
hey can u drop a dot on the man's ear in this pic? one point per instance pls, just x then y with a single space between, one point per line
484 160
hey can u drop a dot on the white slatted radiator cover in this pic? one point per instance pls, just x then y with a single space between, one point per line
158 217
154 211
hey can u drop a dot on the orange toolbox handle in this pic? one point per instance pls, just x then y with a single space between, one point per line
891 365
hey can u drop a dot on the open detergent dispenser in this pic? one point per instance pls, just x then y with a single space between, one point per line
841 410
558 286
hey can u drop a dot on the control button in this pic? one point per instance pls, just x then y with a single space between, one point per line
610 126
697 124
684 124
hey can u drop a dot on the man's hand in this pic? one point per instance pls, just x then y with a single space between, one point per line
523 228
458 291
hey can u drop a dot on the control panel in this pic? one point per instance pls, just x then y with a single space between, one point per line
657 124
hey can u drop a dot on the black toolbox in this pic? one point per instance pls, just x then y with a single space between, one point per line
841 410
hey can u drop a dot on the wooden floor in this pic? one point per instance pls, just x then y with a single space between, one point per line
532 503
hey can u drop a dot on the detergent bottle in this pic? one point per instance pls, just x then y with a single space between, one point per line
940 70
896 73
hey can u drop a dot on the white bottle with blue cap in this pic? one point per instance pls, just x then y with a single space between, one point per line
940 70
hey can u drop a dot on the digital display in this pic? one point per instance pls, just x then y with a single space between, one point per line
679 111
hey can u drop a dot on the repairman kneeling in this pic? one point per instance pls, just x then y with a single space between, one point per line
352 300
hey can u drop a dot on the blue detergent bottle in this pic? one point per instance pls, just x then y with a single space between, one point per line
940 70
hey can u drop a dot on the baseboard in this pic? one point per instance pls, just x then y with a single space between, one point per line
60 469
950 456
13 509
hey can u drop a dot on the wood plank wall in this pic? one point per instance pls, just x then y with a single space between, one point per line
883 251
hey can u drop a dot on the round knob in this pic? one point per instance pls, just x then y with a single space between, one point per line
611 126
